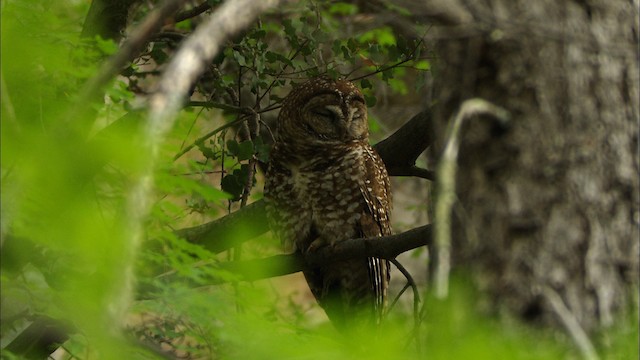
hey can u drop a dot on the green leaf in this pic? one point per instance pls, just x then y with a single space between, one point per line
208 152
106 46
387 74
337 44
239 58
398 86
262 150
274 56
232 185
259 34
233 147
290 32
333 73
341 8
382 36
245 150
365 84
242 151
158 54
345 52
352 45
376 54
422 65
370 100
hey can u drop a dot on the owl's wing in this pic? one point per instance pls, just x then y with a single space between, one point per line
374 221
278 190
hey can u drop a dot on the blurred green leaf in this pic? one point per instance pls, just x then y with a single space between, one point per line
239 57
422 65
382 36
106 46
365 84
343 8
370 100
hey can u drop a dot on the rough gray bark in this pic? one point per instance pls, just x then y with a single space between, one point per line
551 203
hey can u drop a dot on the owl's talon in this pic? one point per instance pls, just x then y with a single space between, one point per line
314 246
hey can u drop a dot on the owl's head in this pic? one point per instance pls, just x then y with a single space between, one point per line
324 111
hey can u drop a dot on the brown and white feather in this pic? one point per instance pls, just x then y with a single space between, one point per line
326 184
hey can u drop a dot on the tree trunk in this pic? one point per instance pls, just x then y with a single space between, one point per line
550 204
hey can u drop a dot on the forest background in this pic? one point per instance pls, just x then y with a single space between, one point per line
135 136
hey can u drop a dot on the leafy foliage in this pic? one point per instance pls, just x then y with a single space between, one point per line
67 170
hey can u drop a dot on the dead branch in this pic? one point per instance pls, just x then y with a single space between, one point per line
445 185
416 303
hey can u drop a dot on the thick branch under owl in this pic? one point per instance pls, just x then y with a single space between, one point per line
399 152
386 247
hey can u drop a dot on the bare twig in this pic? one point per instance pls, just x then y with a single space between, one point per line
413 171
411 283
445 186
570 322
410 57
270 108
416 302
395 300
204 137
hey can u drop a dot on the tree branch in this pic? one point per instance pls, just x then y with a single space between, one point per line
193 12
402 148
416 303
226 232
399 152
413 171
386 247
106 18
131 48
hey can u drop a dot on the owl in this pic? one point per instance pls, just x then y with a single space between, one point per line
326 184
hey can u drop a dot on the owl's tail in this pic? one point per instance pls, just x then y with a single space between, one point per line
353 293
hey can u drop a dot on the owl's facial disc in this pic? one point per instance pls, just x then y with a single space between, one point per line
330 117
